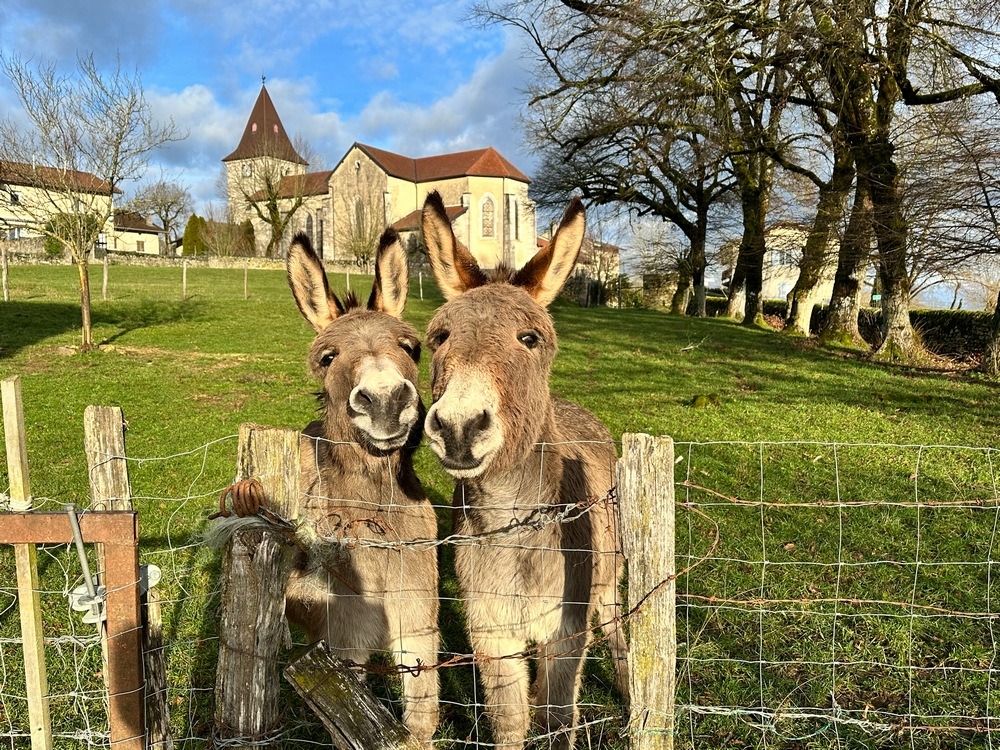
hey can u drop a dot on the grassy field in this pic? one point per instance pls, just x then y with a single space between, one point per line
755 413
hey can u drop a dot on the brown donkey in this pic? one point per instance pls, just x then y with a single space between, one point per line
534 469
359 483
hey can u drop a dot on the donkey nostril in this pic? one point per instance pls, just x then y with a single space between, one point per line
436 422
364 398
482 422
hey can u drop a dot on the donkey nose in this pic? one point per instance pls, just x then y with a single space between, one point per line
457 432
384 405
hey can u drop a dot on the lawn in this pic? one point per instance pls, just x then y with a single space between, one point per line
900 648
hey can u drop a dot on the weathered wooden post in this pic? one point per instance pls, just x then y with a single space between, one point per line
255 567
355 718
646 502
26 565
110 489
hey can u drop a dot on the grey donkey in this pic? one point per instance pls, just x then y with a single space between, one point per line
522 460
369 581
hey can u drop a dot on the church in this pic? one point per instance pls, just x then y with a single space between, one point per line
345 209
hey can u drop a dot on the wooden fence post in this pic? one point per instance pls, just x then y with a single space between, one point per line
26 563
110 489
646 502
255 568
4 272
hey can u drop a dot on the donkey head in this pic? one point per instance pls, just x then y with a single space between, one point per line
365 357
493 344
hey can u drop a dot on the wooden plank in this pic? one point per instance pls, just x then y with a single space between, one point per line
155 661
54 528
26 566
355 718
125 681
104 443
646 504
110 489
255 568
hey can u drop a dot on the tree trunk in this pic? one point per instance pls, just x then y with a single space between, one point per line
991 356
815 255
679 302
698 263
88 333
855 250
754 204
899 342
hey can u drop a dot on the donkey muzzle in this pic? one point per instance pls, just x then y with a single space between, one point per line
384 408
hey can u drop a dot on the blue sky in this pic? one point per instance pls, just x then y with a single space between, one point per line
415 78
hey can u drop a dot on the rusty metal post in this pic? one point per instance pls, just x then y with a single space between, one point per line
119 532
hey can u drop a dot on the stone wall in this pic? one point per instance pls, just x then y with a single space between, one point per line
31 252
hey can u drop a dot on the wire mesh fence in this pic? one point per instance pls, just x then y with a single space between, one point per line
851 599
828 595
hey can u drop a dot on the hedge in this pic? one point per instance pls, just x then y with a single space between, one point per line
944 332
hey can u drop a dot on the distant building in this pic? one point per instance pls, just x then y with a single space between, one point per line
31 196
485 195
134 234
784 243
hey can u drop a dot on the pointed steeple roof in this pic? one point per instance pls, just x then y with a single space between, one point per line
264 134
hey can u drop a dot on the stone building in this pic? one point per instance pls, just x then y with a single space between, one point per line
346 208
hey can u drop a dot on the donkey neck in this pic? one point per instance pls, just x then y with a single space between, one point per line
347 464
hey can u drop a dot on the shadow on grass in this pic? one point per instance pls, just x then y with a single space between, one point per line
24 324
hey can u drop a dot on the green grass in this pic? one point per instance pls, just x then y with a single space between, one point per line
187 373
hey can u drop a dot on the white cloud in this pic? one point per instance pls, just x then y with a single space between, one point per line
484 111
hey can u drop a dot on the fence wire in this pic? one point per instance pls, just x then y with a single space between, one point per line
828 595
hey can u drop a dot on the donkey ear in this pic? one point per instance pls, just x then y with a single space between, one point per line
544 275
308 282
455 269
392 276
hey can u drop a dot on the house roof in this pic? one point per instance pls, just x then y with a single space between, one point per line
482 162
264 134
411 222
311 183
133 222
52 178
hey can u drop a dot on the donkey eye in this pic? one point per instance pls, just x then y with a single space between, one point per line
529 339
327 358
410 347
438 339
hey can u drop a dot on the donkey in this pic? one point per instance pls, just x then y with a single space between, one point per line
359 483
533 475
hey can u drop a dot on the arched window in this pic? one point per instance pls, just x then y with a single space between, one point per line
309 226
488 216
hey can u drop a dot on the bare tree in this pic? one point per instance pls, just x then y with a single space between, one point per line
271 185
170 202
82 137
225 238
363 213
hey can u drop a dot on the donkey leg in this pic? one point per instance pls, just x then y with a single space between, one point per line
619 649
557 684
505 688
420 690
